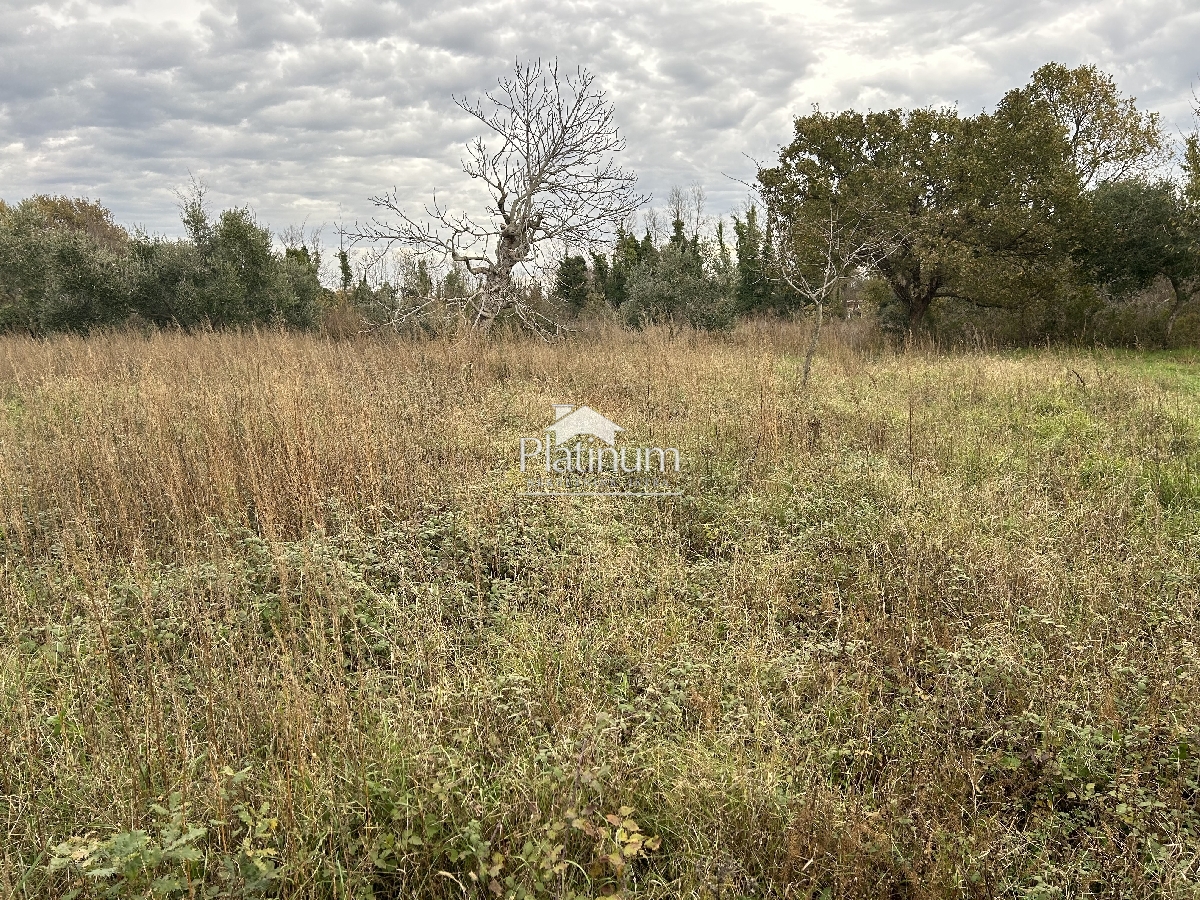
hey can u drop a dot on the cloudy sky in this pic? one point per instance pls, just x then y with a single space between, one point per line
304 109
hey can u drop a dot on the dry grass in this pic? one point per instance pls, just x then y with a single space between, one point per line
926 630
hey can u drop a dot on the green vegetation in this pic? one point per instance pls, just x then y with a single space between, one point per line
1142 232
66 266
1046 219
1043 219
275 622
983 215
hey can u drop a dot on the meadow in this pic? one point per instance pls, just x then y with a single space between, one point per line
274 620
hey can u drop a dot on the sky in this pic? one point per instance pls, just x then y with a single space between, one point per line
303 110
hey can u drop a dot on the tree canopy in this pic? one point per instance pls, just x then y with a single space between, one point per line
976 208
66 266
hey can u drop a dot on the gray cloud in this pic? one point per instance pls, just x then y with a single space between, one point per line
304 109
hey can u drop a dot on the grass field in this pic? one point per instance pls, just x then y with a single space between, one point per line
276 623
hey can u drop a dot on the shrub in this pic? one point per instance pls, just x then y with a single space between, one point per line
675 288
63 266
66 266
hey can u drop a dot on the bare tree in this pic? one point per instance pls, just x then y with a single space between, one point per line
553 183
304 243
814 248
678 205
698 197
686 205
653 221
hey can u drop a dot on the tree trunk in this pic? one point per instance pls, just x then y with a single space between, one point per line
918 306
497 284
812 345
496 296
909 288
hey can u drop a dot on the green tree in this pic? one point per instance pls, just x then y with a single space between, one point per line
983 206
1108 136
965 204
64 266
673 286
600 274
611 280
1191 170
571 283
422 282
226 273
456 284
678 239
168 281
907 162
753 288
1141 231
647 250
724 260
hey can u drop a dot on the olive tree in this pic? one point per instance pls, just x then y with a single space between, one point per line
548 169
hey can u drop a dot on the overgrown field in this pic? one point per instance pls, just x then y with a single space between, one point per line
276 623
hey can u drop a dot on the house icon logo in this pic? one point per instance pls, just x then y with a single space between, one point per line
572 422
578 455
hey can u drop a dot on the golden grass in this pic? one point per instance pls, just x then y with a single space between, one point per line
927 629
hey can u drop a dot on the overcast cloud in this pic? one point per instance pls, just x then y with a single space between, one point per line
302 110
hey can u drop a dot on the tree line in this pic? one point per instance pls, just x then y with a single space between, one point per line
1057 215
65 265
1054 216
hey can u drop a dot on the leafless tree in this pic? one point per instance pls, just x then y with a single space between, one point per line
653 221
678 206
304 240
813 249
553 183
686 205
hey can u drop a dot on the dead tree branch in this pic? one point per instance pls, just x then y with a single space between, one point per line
548 168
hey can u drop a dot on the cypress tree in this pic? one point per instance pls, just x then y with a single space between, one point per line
753 291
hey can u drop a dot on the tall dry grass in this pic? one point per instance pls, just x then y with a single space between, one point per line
925 629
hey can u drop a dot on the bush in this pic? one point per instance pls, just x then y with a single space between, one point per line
66 266
675 288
